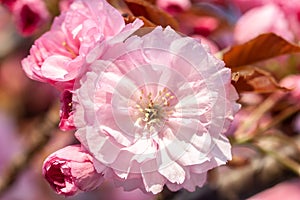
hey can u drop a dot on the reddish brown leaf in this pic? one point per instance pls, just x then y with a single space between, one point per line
263 47
141 8
249 78
151 1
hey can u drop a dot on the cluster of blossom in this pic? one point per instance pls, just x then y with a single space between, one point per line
148 110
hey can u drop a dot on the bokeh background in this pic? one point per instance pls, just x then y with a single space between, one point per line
265 133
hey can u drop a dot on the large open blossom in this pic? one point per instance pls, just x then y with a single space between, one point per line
153 110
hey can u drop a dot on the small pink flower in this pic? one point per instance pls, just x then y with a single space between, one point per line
30 15
71 170
174 7
205 25
57 56
264 19
154 109
292 12
8 3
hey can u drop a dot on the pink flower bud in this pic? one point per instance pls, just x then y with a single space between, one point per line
71 170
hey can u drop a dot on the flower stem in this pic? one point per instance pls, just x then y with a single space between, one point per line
285 161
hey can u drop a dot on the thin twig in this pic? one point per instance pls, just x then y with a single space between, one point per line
280 117
286 161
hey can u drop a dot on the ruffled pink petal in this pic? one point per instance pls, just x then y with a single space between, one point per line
153 180
154 112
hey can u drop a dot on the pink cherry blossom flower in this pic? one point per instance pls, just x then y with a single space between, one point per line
154 109
71 170
259 20
30 15
205 25
56 57
292 12
174 7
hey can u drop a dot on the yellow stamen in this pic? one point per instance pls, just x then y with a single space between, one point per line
69 49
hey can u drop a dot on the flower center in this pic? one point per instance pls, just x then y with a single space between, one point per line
153 110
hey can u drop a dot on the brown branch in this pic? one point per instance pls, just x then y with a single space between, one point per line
41 132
